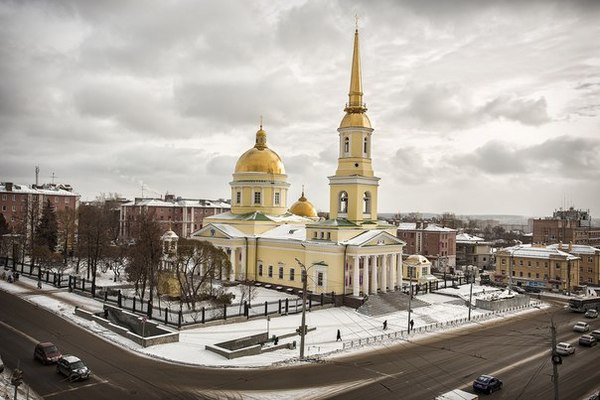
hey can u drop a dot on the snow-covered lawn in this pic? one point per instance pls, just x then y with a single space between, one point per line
322 342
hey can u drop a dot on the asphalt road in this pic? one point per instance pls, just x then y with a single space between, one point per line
517 350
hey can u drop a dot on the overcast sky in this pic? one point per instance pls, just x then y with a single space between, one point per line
478 106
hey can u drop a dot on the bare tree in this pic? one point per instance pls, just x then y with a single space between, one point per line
145 255
197 264
67 229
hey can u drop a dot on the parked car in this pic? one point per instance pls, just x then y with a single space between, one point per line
581 327
533 289
564 349
591 313
73 368
596 334
487 384
46 352
587 340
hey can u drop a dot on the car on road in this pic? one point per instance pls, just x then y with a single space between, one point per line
591 313
587 340
487 384
596 334
564 349
73 368
581 327
46 352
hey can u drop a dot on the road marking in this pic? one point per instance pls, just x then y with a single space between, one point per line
75 388
15 330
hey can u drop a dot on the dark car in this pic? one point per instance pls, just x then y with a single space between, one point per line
587 340
46 352
73 368
487 384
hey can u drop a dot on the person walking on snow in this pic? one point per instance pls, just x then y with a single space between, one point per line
339 336
412 324
385 325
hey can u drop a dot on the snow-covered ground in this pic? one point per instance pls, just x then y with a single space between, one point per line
319 343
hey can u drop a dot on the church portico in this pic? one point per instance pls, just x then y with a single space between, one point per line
373 273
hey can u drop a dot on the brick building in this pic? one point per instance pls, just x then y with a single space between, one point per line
16 200
183 216
435 242
539 266
566 226
589 268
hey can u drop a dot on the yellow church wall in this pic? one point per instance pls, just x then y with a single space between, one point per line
267 198
355 201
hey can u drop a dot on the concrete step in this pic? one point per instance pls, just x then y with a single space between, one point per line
386 303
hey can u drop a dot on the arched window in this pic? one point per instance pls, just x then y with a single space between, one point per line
367 203
346 145
343 202
366 146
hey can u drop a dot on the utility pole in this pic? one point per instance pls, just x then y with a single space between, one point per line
510 272
304 283
555 359
471 278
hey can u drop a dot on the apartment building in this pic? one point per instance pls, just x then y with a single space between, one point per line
473 250
435 242
566 226
589 267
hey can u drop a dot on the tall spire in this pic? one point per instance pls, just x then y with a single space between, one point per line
261 137
355 104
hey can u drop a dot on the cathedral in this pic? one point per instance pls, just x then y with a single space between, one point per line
351 254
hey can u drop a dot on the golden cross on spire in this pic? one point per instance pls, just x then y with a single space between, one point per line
356 20
302 190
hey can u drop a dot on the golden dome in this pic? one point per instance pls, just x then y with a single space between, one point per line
260 158
303 207
355 119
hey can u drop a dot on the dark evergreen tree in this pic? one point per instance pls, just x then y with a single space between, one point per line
47 229
4 228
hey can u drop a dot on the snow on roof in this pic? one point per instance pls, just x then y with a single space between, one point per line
47 189
466 238
179 202
229 230
287 232
576 249
526 250
412 226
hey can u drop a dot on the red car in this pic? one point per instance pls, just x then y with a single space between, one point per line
47 353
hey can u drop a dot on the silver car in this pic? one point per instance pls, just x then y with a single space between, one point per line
581 327
565 349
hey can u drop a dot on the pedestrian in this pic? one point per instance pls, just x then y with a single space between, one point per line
412 324
385 325
339 336
39 284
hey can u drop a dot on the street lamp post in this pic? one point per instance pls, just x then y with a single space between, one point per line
410 271
304 284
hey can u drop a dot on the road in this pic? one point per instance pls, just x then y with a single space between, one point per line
516 349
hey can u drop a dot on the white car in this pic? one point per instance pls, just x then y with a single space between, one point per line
581 327
564 349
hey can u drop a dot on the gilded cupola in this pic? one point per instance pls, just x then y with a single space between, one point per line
260 158
303 207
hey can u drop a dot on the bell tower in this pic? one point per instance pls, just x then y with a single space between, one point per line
353 188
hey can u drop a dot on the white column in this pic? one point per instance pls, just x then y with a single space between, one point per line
355 276
399 267
243 266
232 260
393 260
384 273
365 275
374 275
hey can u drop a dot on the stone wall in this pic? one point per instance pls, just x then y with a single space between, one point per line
502 304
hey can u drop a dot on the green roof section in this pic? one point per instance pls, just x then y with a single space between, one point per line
335 222
255 216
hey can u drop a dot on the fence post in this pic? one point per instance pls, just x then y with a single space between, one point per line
279 306
287 305
203 314
266 307
119 299
245 308
133 309
105 295
322 299
224 311
47 276
309 303
333 299
166 315
180 318
149 309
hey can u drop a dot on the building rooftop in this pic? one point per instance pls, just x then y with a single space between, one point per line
576 248
466 238
179 202
526 250
56 189
412 226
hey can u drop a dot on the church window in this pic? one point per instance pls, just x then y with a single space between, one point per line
319 279
238 197
367 203
343 202
257 197
292 274
328 235
260 270
346 145
365 146
276 200
315 235
280 272
270 271
322 235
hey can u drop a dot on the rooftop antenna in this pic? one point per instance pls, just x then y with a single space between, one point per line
37 174
53 176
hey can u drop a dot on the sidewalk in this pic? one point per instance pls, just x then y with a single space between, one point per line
320 343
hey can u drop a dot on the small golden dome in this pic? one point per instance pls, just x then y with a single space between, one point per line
355 119
303 207
260 158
